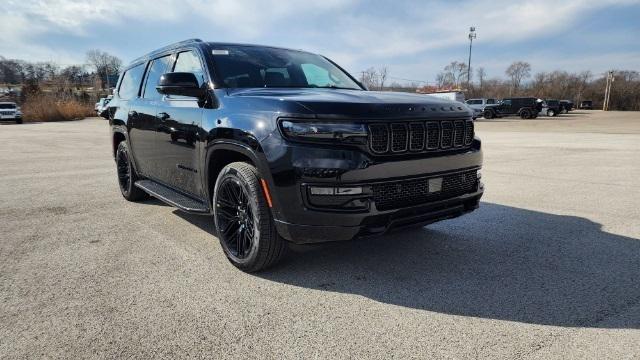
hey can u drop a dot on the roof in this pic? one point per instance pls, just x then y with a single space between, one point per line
199 41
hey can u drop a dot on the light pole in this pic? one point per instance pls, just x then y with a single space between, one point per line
472 35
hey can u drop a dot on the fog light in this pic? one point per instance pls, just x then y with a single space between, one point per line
316 190
479 175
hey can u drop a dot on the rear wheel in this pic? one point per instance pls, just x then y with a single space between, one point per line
127 175
551 112
488 114
525 114
243 221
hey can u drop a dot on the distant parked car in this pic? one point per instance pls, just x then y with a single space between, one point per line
566 105
10 111
525 107
586 105
477 105
551 107
101 106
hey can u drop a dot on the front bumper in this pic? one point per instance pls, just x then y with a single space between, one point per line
301 166
375 225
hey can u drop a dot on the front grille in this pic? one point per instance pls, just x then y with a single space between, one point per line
400 137
379 138
399 194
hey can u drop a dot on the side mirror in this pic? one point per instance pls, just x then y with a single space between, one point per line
180 83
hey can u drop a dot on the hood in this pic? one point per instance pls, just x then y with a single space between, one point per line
339 103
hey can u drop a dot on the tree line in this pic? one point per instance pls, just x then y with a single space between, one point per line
98 72
518 80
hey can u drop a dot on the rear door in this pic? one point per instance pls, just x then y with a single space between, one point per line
141 133
179 119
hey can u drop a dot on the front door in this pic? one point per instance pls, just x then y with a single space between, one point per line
146 110
179 119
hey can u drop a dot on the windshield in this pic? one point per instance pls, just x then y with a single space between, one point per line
253 66
7 106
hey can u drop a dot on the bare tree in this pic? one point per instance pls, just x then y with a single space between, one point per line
104 63
481 76
455 72
383 73
369 78
518 71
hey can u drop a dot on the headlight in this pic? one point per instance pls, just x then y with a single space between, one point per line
324 131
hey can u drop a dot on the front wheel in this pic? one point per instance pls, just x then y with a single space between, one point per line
551 112
18 121
488 114
525 114
243 221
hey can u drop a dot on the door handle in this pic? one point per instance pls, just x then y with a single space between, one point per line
163 116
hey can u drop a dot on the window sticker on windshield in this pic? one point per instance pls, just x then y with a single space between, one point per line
219 52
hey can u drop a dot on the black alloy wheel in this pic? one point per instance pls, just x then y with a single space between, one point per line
243 220
235 218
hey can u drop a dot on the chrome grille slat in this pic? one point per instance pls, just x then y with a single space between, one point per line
416 136
379 138
458 133
433 135
468 132
399 137
446 134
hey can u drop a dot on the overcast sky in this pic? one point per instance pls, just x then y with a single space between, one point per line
414 38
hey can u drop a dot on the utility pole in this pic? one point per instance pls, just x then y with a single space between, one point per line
472 35
607 91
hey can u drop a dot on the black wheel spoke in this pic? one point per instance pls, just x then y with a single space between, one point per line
234 218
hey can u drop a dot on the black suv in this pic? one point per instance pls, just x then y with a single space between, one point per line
552 107
566 105
525 107
283 145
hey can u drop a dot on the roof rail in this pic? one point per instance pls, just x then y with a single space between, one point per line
168 47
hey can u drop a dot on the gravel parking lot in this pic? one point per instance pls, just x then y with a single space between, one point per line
548 267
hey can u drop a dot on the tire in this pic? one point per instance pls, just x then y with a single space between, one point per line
525 114
243 220
551 112
127 175
18 121
488 114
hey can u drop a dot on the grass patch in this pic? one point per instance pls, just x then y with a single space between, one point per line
44 108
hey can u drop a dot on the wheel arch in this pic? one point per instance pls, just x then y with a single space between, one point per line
116 138
222 153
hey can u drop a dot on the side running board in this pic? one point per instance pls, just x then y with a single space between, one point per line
173 197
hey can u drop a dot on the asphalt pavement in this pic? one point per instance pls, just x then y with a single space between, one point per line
548 267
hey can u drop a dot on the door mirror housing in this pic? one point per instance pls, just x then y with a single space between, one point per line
180 83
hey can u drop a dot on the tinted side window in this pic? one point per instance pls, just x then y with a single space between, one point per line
188 61
491 101
157 68
130 84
